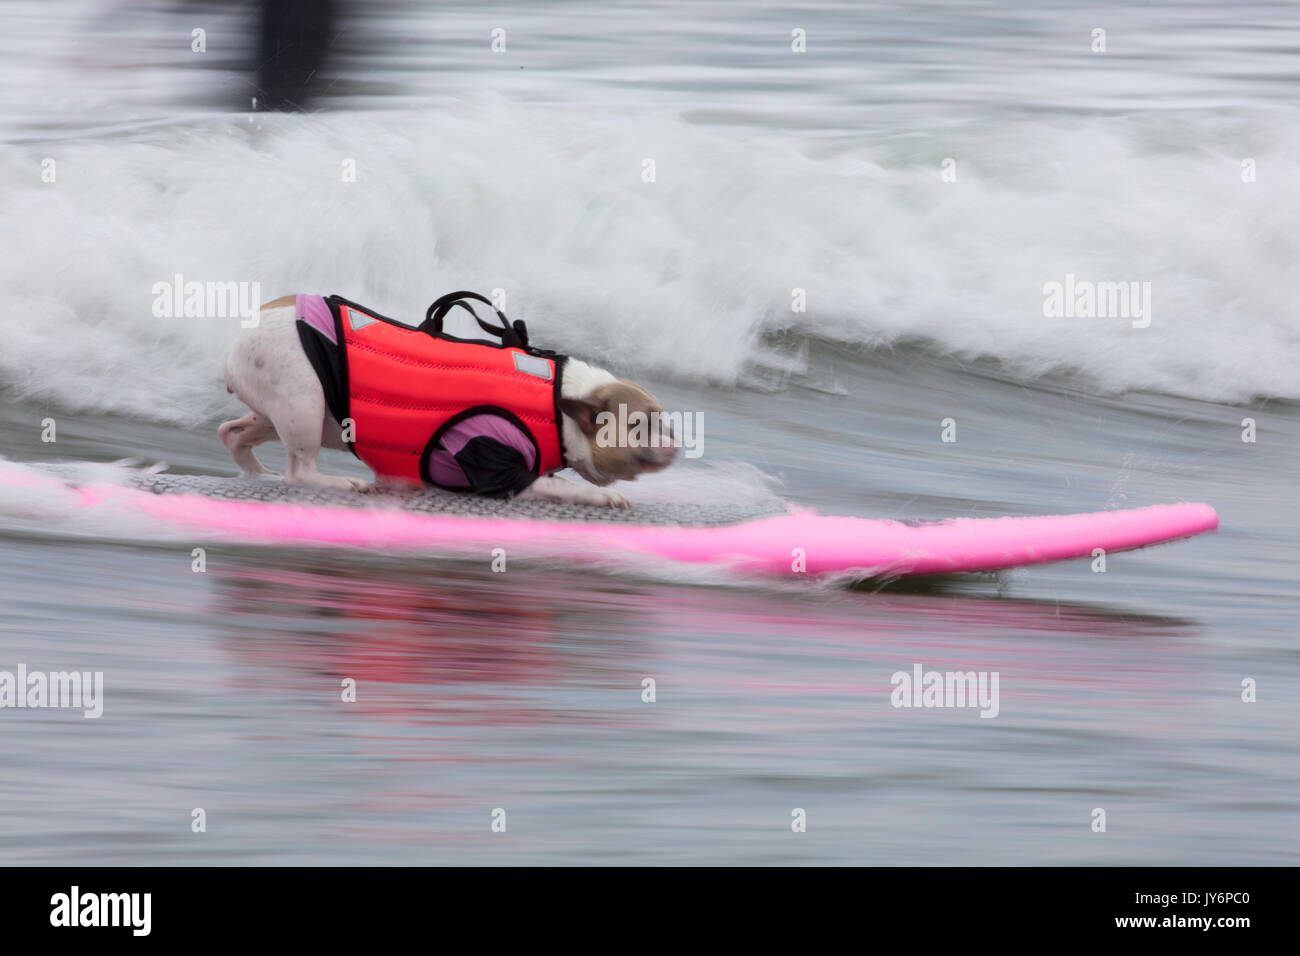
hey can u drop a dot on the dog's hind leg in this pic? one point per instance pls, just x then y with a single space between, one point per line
242 435
269 372
299 422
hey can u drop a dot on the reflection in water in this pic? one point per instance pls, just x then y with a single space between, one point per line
441 628
525 689
446 642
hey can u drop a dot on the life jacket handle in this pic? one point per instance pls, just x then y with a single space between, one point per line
512 334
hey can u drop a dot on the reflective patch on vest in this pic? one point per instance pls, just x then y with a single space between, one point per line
359 320
532 365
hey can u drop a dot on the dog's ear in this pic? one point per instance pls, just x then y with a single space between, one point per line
584 413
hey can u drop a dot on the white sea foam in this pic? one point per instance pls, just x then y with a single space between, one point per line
688 276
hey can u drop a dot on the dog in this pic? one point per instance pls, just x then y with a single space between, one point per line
420 406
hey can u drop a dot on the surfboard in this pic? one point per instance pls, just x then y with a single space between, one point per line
773 541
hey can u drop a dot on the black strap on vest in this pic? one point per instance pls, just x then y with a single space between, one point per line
512 334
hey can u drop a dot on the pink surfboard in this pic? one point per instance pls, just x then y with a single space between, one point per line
438 523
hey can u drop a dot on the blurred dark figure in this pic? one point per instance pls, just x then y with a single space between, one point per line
296 38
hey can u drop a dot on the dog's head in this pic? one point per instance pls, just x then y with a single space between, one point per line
621 432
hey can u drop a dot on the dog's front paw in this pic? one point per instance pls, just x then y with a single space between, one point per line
328 482
612 499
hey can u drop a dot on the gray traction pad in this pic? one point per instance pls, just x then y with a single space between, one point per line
436 501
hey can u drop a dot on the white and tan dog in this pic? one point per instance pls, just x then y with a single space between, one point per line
269 371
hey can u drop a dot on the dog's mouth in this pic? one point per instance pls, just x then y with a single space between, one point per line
639 463
603 478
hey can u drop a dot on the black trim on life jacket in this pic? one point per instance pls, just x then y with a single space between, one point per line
336 300
459 417
326 359
560 362
333 301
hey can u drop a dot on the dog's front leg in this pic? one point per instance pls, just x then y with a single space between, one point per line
550 488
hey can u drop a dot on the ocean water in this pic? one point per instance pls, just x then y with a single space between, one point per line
921 173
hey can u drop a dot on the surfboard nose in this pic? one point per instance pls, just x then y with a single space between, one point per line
1199 516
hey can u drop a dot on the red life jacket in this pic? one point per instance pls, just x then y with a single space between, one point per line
405 387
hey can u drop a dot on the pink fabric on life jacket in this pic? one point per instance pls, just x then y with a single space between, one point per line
443 467
313 310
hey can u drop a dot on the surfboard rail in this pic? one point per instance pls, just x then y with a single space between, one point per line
796 542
